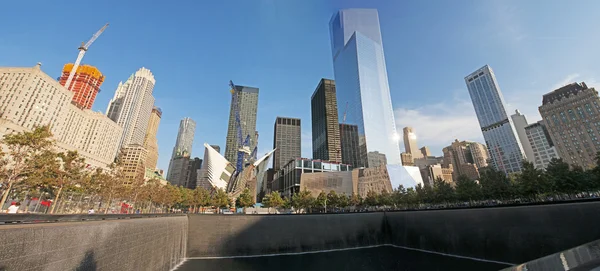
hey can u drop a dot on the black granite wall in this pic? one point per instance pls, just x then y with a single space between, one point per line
133 244
505 234
237 235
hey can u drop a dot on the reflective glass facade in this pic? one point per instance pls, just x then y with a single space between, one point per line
498 130
325 123
363 92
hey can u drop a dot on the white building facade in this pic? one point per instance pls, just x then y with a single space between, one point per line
132 105
520 123
216 170
541 144
30 98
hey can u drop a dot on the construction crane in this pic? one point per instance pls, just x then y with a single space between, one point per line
82 50
243 144
253 154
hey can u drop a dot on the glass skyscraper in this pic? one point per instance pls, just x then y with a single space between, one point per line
183 146
498 129
363 92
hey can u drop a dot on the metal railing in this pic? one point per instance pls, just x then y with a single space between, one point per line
9 219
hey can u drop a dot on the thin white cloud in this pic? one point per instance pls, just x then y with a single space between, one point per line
567 80
437 125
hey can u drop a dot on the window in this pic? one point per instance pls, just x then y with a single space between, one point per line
563 117
572 114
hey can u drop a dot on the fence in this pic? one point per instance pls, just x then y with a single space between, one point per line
80 203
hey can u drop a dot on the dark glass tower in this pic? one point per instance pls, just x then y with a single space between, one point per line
325 128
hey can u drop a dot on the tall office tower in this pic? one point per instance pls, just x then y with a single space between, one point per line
132 160
350 145
479 153
150 141
217 148
407 159
132 105
248 106
425 151
30 98
410 143
286 141
192 172
498 130
85 85
520 123
325 129
361 82
376 159
570 117
185 139
466 158
178 169
541 144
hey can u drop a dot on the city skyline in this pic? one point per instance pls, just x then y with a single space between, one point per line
421 110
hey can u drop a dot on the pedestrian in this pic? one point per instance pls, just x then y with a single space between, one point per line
14 207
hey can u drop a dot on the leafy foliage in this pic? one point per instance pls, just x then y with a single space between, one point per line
245 199
467 189
31 167
221 199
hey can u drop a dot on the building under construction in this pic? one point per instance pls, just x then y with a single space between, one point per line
85 85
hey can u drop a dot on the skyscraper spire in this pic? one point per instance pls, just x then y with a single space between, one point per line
132 105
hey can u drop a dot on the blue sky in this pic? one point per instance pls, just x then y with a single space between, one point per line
282 47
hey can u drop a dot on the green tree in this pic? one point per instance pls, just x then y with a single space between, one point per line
585 179
221 199
266 201
111 183
333 200
151 193
201 197
303 200
273 200
186 197
467 189
287 203
532 182
411 198
245 199
68 172
372 199
425 194
562 179
173 196
321 200
385 198
355 200
443 191
398 196
343 201
495 184
594 174
21 148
